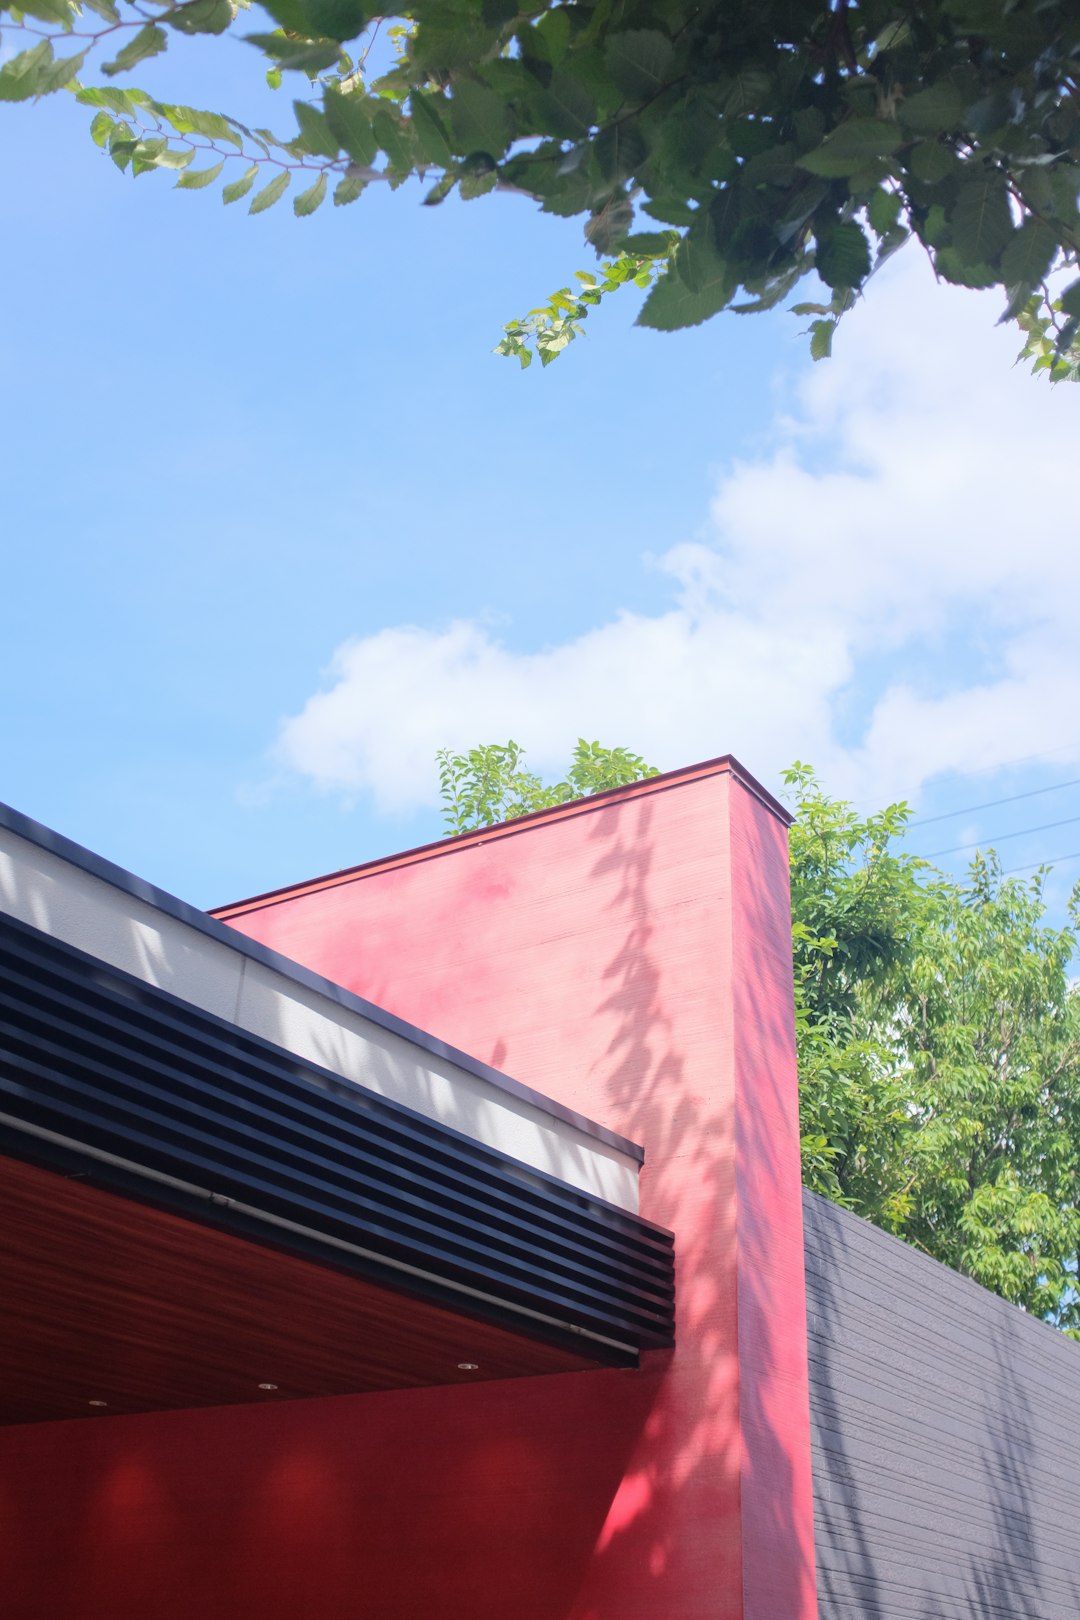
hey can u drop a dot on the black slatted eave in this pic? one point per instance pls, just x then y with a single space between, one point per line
160 1100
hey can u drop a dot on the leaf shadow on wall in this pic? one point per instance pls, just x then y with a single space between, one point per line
675 1537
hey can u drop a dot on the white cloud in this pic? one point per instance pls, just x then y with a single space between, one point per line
891 592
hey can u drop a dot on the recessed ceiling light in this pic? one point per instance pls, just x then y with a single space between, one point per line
268 1386
97 1403
468 1366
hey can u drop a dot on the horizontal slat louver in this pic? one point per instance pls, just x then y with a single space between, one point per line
144 1091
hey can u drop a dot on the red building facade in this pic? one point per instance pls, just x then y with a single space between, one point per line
628 957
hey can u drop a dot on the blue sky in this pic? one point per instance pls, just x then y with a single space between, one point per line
277 524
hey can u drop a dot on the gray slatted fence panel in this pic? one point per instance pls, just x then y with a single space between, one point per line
945 1429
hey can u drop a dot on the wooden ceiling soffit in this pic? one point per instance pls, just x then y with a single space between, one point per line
141 1094
112 1308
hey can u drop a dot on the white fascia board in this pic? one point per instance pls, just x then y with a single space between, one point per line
63 899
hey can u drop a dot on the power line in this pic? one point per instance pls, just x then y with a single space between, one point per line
988 843
1055 860
1026 759
992 804
1052 754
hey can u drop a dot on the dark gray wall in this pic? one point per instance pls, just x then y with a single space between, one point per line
946 1438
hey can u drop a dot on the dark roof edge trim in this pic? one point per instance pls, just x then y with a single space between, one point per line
97 866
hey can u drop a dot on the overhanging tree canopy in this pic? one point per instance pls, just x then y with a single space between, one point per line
717 152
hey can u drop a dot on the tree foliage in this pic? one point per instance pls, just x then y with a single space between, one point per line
938 1032
939 1052
489 784
717 153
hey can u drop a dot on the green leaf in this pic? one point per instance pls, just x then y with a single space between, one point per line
479 119
692 138
147 153
700 284
498 12
269 195
883 210
620 151
1065 190
1029 255
103 9
123 102
191 121
745 90
19 78
565 108
514 349
201 17
890 244
350 121
639 61
773 166
929 112
849 148
962 271
649 244
550 346
1070 299
809 123
297 55
240 188
48 11
440 191
447 40
320 19
348 189
171 157
430 132
196 179
59 74
101 128
309 200
935 228
843 259
392 139
122 143
670 211
552 35
475 184
931 161
980 219
772 293
697 255
290 14
821 336
316 136
149 41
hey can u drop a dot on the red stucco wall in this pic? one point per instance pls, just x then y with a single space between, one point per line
632 959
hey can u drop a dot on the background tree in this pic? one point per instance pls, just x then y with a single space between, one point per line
754 143
937 1029
488 784
939 1052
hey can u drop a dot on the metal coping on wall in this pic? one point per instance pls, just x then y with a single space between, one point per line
148 1096
117 877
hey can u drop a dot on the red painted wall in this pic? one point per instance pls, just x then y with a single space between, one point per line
480 1503
630 957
